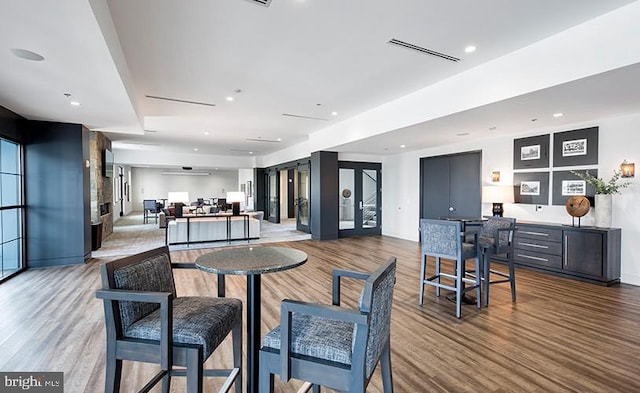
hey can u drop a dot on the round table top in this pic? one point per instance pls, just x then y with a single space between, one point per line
251 260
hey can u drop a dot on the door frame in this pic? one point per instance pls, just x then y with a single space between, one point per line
303 167
358 168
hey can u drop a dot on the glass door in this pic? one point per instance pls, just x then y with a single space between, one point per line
302 202
360 198
274 196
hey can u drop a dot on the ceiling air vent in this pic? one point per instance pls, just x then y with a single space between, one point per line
304 117
179 100
407 45
262 140
262 2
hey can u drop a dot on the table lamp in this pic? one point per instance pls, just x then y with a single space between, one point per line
497 195
235 197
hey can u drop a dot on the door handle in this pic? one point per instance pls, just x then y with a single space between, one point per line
360 205
451 208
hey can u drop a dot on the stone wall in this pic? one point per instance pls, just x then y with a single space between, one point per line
101 187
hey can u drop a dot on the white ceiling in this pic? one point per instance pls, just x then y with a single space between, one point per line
301 57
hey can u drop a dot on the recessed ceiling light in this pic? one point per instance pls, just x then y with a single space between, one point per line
470 49
334 113
279 139
229 98
74 103
195 149
403 146
206 132
27 54
250 152
559 114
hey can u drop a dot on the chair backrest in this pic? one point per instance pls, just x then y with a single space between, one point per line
147 271
376 300
490 228
149 204
441 238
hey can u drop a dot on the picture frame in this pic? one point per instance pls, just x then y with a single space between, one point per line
566 184
576 147
531 152
573 187
531 188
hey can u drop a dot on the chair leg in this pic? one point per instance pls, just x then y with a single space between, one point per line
486 276
437 271
385 364
113 374
236 337
422 272
512 277
194 370
265 377
459 274
478 282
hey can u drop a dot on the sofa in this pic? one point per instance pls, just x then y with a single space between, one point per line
211 228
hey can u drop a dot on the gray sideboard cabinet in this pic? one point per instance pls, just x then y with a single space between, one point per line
586 253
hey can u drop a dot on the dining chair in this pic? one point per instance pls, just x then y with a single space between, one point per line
444 239
495 240
150 208
146 322
333 346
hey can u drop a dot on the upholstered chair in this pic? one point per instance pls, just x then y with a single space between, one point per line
444 239
147 322
334 346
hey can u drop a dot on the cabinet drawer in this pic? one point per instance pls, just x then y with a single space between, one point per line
538 246
537 259
548 234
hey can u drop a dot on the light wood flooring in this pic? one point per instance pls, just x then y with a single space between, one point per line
560 336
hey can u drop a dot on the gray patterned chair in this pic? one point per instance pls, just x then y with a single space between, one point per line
445 239
495 239
333 346
146 322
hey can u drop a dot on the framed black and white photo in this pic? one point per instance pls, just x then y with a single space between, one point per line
531 188
577 147
531 152
566 185
573 187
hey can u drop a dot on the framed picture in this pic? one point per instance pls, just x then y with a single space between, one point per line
566 184
573 187
531 152
531 188
577 147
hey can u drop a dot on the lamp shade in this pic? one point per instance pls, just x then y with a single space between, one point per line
497 194
235 196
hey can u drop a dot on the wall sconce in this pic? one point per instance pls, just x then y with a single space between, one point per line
628 169
495 176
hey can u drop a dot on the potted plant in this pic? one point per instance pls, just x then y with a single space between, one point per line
604 190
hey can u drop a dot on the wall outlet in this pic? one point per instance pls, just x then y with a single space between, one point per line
538 208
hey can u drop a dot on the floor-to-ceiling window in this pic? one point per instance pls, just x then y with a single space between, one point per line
11 209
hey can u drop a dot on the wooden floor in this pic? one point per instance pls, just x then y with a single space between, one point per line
560 336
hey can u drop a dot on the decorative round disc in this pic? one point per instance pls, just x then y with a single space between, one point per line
577 206
346 193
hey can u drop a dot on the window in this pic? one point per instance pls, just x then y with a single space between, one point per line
11 209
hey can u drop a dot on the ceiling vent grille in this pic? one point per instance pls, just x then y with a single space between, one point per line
407 45
182 101
262 2
304 117
262 140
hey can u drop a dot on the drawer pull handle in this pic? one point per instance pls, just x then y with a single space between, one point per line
534 258
533 245
535 233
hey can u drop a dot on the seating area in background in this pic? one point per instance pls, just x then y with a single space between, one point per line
146 322
489 238
334 346
150 208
